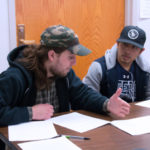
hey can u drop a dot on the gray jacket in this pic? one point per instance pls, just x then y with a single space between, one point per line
95 74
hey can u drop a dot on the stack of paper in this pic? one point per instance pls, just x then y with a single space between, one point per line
144 103
136 126
82 123
34 130
39 130
78 122
60 143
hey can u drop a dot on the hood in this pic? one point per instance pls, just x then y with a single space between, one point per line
12 56
111 55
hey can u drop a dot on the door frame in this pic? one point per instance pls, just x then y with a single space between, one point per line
132 13
12 24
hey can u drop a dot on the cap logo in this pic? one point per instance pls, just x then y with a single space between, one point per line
133 34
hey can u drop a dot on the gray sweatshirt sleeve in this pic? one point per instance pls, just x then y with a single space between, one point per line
94 76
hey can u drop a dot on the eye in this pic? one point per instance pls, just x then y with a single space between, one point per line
125 44
134 47
70 57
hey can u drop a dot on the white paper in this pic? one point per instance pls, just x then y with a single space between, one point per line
33 130
144 103
136 126
78 122
60 143
144 8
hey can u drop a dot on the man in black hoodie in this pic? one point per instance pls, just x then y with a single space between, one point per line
40 81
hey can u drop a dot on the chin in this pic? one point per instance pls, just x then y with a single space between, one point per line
65 74
62 75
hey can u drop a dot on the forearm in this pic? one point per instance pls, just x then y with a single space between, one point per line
15 115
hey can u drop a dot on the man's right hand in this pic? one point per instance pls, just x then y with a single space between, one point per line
42 111
117 107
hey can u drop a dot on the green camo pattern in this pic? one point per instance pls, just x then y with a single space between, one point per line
63 37
58 36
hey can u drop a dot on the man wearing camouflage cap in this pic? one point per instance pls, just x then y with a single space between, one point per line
123 67
40 81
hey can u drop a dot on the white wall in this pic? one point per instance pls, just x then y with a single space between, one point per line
7 30
132 17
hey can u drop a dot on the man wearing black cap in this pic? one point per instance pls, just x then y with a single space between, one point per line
40 81
122 67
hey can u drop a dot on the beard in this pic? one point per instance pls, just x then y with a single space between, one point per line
56 74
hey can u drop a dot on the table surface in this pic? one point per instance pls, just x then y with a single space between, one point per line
106 137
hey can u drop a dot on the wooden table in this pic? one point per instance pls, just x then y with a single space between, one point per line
103 138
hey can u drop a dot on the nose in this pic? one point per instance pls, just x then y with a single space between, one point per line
128 49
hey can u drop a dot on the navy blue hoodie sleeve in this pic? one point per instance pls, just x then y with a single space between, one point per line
12 87
83 97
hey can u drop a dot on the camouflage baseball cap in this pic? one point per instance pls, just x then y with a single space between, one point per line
60 36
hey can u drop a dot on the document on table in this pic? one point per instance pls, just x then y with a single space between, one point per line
136 126
78 122
60 143
34 130
144 103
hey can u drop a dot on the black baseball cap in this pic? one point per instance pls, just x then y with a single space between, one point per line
133 35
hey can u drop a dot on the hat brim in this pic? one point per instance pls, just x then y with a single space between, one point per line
79 50
130 42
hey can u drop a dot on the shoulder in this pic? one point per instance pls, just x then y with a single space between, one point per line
14 76
143 63
10 72
100 60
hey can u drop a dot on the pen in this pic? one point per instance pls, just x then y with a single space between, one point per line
75 137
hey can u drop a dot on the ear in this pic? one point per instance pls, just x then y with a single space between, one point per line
117 44
51 55
142 50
